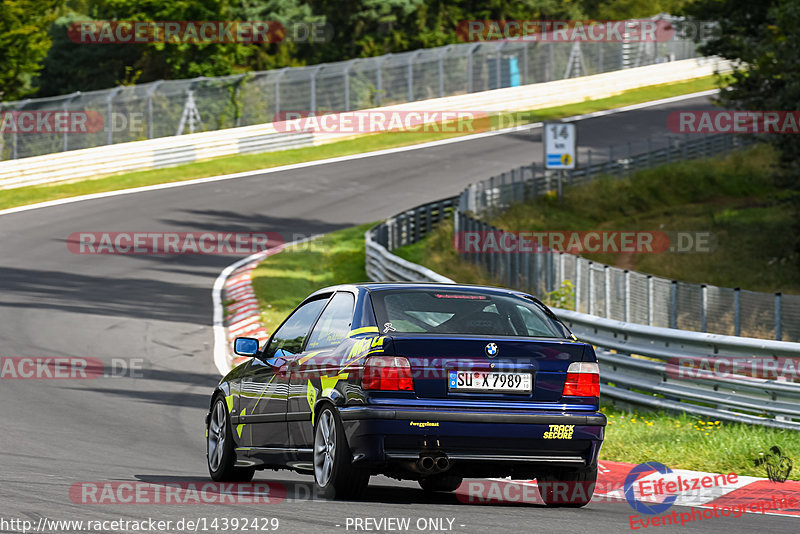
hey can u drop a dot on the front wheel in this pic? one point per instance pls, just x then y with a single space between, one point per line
334 473
567 487
219 448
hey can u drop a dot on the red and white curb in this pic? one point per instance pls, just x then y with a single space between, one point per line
242 313
744 494
236 310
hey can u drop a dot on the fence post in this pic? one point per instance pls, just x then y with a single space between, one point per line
498 75
591 288
737 315
650 290
278 89
589 167
379 79
703 308
778 330
578 264
109 111
150 92
440 62
69 99
313 89
673 305
411 59
607 290
627 296
469 66
346 75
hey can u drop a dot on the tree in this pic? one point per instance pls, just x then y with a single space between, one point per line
764 38
23 43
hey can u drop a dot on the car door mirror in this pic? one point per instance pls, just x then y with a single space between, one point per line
245 346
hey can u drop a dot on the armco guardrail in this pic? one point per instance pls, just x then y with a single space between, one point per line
167 151
640 364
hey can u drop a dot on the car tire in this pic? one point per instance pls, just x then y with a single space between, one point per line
220 453
440 483
579 486
334 473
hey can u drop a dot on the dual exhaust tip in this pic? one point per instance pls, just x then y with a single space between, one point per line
433 464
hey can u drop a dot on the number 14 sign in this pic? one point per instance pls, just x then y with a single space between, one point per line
560 141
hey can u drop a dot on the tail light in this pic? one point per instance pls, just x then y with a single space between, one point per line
583 380
387 373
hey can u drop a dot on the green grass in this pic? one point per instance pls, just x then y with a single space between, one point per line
734 197
232 164
687 442
282 281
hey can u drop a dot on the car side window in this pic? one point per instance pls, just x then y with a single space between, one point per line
289 338
334 323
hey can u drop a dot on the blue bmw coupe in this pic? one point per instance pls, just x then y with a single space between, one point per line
427 382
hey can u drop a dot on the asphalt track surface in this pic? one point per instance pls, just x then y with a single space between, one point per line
156 311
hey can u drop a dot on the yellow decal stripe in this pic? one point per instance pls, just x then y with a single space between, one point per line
364 330
240 428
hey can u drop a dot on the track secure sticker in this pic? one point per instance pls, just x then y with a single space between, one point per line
559 432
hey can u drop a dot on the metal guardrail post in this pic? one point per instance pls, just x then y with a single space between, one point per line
673 304
737 312
650 291
778 318
703 308
627 315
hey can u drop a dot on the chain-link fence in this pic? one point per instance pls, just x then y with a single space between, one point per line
607 291
175 107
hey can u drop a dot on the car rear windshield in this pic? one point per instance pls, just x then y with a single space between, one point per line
425 311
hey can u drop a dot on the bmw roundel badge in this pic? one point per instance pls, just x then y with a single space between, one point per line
491 350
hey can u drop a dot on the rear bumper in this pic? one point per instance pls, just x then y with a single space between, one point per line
478 443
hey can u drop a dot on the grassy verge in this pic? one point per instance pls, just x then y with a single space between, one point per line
687 442
678 441
733 197
280 282
232 164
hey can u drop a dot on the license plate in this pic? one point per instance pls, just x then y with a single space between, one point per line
489 381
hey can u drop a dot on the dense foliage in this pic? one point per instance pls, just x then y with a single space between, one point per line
355 28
